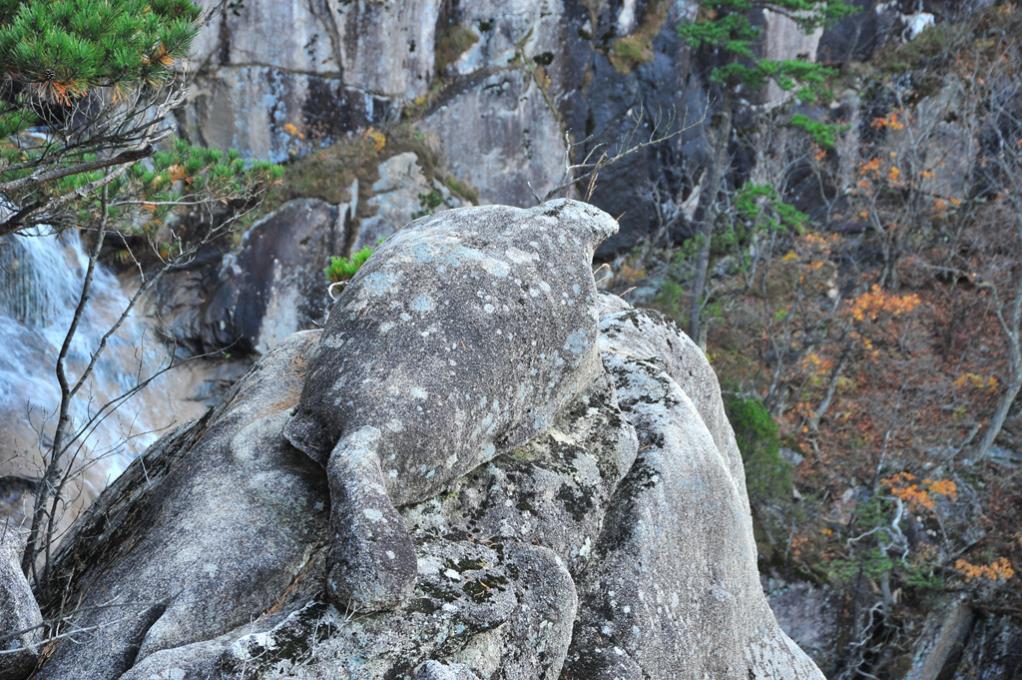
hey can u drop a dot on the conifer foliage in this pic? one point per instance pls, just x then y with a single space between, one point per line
63 49
726 37
725 26
91 79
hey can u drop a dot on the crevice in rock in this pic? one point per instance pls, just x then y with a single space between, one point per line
151 617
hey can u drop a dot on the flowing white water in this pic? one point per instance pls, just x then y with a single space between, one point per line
40 283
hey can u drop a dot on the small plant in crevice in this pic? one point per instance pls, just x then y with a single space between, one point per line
429 202
343 268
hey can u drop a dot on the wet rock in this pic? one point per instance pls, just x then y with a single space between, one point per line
273 285
21 631
181 298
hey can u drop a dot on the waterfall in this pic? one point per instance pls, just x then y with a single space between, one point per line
40 283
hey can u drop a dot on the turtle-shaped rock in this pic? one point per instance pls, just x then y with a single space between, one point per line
458 340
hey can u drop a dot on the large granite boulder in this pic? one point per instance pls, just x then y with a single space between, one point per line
615 543
455 343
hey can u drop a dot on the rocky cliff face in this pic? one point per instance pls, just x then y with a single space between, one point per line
507 93
616 544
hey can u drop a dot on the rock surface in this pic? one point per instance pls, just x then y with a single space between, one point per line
616 543
499 88
269 287
21 630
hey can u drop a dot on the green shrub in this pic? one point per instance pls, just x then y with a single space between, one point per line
767 475
343 268
64 49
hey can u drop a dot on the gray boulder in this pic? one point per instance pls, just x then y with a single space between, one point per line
434 670
656 587
21 630
212 526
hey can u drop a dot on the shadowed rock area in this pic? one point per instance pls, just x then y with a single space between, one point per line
615 543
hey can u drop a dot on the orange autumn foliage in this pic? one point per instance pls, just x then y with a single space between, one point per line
998 570
875 301
919 494
890 121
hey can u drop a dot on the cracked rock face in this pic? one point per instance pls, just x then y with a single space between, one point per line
615 542
507 94
278 77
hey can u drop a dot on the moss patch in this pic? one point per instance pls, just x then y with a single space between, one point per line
768 476
328 174
630 51
451 44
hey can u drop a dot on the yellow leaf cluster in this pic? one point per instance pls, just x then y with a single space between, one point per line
977 382
377 137
875 301
919 494
890 121
943 487
815 239
177 172
870 166
998 570
817 364
798 544
293 130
